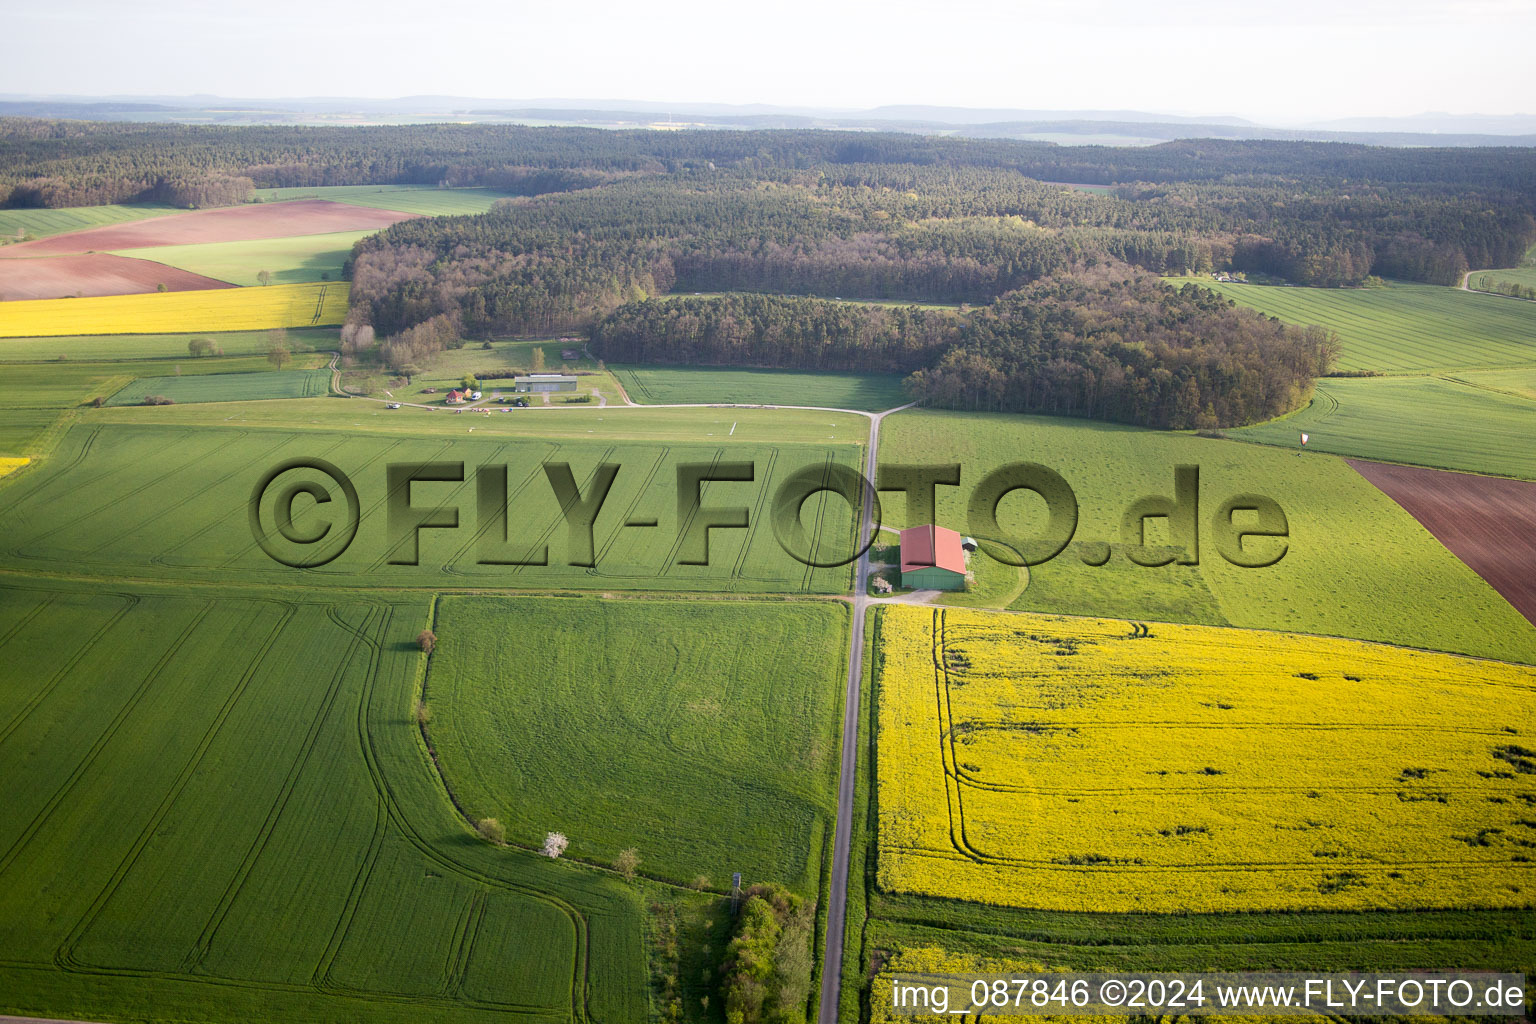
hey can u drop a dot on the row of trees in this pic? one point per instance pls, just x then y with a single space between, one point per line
769 330
766 976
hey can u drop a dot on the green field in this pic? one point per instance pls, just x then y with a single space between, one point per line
1357 565
111 347
662 385
427 200
41 398
556 422
172 502
294 260
42 223
227 387
702 734
1518 383
230 814
1458 423
38 395
1498 280
1403 327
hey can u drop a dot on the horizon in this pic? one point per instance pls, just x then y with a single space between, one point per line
884 110
1311 64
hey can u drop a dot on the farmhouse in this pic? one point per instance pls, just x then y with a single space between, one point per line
455 397
544 382
932 559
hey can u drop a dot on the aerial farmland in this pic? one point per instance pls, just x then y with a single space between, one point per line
455 571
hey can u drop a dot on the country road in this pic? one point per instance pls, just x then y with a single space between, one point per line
1466 285
837 895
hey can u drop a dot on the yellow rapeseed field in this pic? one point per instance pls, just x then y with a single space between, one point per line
219 309
11 465
1091 764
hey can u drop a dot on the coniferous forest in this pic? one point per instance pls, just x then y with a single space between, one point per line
1057 305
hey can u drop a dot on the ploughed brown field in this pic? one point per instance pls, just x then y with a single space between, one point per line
229 224
56 277
1485 521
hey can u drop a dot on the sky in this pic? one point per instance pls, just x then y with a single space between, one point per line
1275 62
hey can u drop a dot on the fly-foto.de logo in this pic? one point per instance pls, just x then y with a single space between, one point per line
305 513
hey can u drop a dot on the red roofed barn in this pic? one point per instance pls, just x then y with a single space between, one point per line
932 559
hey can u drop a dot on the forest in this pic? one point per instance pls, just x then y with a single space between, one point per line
1313 213
1106 342
1058 305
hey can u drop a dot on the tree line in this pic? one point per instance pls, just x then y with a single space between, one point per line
1106 342
775 331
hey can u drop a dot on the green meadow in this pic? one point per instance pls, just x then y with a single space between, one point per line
426 200
852 301
702 734
102 348
554 422
662 385
293 260
43 398
1403 327
226 387
1356 564
1465 423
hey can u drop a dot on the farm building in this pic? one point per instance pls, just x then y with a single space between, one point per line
544 382
932 559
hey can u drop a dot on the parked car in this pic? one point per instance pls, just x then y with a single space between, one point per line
392 405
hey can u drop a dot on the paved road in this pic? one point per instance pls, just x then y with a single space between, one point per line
837 907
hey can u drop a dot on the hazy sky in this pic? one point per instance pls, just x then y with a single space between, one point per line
1274 61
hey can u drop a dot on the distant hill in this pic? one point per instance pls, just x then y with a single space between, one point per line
1071 127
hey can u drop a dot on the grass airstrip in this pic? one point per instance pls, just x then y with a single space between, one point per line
662 385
